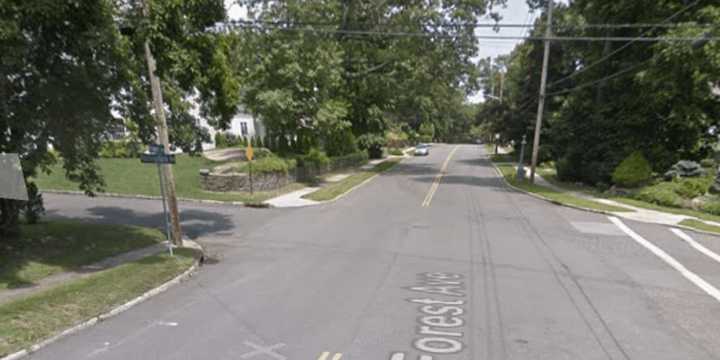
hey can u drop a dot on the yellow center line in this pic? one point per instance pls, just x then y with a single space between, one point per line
324 356
438 178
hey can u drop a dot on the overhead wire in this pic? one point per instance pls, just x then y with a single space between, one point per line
625 46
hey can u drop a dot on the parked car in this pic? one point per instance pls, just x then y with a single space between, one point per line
422 150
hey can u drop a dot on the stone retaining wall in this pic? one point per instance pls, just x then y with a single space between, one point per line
240 182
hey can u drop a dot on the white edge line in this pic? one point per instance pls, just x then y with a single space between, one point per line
699 247
694 278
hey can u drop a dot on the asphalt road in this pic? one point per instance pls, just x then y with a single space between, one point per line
473 271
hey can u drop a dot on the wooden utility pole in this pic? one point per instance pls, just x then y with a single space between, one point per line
162 138
543 88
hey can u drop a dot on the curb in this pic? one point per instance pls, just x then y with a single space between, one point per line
602 212
345 193
102 317
148 197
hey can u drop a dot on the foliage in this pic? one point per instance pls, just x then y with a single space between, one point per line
341 143
711 207
126 148
373 144
226 140
633 171
707 163
270 164
655 96
395 152
348 161
662 194
315 159
34 207
69 76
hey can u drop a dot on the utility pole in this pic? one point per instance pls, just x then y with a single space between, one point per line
162 138
543 88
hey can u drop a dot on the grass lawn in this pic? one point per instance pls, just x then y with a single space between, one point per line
37 317
679 211
53 247
334 190
695 224
130 176
509 171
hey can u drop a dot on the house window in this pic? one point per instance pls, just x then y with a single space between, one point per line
243 128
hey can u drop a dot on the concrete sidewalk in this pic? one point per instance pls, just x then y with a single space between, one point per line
293 199
638 213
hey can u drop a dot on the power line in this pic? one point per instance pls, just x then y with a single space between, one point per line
485 37
593 83
487 25
586 68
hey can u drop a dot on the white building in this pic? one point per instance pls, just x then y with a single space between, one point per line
243 124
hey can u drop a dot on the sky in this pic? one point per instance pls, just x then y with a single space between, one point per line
515 12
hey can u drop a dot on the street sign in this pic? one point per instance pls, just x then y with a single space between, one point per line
158 158
156 148
249 153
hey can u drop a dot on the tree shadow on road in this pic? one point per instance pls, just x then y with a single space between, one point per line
195 223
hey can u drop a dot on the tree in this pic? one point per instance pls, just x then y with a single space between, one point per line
71 71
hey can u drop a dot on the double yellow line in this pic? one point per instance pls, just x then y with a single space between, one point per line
438 178
325 356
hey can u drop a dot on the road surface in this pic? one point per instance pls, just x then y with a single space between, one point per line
419 264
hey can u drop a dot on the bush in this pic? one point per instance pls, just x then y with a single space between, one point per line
632 172
707 163
711 207
690 188
662 194
395 152
373 144
347 161
315 159
121 149
226 140
270 164
341 143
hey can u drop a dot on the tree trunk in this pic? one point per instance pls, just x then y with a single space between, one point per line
9 218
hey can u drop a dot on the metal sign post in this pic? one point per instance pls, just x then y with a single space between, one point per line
156 155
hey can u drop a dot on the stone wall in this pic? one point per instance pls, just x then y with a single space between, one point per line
240 182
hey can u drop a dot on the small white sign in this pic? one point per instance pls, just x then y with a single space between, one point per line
12 183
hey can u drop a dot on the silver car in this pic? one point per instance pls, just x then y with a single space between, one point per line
422 150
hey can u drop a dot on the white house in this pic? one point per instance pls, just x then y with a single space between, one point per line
243 124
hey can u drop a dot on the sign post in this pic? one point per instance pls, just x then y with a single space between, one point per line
156 155
249 154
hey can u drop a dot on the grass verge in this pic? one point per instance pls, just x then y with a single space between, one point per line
509 171
678 211
144 180
699 225
26 321
48 248
334 190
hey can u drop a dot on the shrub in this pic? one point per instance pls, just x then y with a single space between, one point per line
270 164
315 159
220 140
632 172
350 160
712 207
373 144
707 163
690 188
661 194
396 152
121 149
